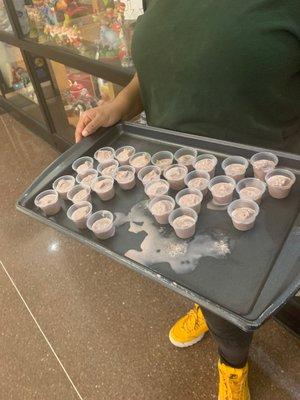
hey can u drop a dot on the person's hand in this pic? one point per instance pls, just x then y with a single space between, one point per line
105 115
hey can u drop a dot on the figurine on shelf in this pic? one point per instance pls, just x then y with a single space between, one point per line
20 78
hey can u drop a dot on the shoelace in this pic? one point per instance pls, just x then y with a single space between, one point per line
191 322
234 387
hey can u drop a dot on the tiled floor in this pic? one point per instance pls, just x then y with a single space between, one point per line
76 325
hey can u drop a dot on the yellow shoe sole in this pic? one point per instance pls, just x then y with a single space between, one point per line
185 344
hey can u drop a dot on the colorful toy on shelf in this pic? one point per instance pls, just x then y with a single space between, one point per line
77 98
20 78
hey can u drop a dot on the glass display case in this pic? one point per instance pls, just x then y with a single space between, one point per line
16 85
97 29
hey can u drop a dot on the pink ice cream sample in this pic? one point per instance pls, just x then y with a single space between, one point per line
162 159
280 182
124 153
82 164
161 207
262 163
243 214
222 188
198 180
157 188
149 174
79 193
183 221
48 202
104 155
125 176
251 189
101 223
206 162
63 184
189 198
175 175
87 178
79 213
235 167
186 156
109 168
104 187
140 160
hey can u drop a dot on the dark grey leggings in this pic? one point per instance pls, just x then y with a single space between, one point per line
233 343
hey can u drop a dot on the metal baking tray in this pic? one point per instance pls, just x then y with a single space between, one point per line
242 276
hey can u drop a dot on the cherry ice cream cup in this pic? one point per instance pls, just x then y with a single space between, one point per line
186 156
262 163
48 202
125 176
82 164
206 162
157 188
243 214
235 167
140 160
189 198
79 213
222 188
198 180
162 159
175 175
280 182
104 155
251 189
87 178
149 174
79 193
183 221
104 187
101 223
109 168
124 153
161 207
63 184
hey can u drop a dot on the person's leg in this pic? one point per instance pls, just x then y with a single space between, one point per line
233 343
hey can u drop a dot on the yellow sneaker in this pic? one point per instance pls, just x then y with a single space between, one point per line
233 383
189 329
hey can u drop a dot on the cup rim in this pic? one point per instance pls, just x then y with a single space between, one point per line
102 178
226 178
72 208
77 188
105 148
159 198
278 171
67 177
185 191
182 149
242 181
86 158
174 166
267 153
169 153
89 224
252 204
182 209
203 157
158 180
150 168
45 193
243 162
139 153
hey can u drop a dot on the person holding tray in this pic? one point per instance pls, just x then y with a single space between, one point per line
223 69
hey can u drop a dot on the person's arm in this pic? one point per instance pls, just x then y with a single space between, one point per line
126 105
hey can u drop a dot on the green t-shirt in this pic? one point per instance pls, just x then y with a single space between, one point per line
228 69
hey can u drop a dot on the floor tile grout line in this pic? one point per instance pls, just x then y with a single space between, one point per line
41 331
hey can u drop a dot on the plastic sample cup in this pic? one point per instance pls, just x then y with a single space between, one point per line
79 193
123 154
109 168
87 178
149 174
183 221
243 214
63 184
186 156
48 202
79 213
251 189
82 164
140 160
104 155
198 180
222 188
175 175
206 162
157 188
280 182
162 159
125 176
161 207
104 187
101 223
235 167
189 198
262 163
